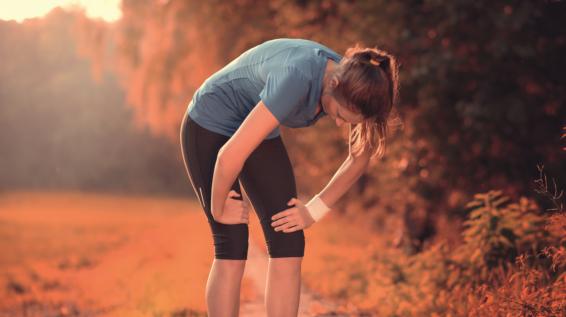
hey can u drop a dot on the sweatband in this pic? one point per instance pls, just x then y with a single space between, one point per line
317 208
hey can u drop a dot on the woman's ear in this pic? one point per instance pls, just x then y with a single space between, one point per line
334 82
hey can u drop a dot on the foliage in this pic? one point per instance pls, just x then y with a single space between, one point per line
512 263
497 230
61 129
481 88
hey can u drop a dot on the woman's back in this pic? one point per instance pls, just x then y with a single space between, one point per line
285 73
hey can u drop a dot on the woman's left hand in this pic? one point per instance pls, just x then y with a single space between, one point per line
292 219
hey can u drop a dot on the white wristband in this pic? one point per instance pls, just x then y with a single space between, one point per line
317 208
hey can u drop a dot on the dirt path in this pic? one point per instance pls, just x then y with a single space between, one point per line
96 255
256 272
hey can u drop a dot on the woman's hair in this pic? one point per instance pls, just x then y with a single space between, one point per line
368 83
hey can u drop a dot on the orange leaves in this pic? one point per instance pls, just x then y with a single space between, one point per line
443 280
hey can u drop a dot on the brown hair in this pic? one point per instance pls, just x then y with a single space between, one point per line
368 83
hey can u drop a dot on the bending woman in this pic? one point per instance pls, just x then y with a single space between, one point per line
230 137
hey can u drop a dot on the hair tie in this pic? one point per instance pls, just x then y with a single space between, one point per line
382 61
374 62
374 59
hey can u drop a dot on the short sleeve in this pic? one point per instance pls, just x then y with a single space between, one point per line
285 89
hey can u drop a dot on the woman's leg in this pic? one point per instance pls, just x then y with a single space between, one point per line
199 149
269 181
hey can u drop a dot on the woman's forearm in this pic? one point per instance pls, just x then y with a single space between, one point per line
346 175
225 174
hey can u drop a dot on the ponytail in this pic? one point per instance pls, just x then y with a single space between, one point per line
368 83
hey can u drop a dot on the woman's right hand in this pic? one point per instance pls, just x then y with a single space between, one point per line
235 210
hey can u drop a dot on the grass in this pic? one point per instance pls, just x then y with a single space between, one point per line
79 253
76 253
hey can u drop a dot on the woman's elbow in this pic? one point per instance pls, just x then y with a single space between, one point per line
228 162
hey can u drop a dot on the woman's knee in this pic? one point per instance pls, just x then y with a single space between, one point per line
230 241
285 244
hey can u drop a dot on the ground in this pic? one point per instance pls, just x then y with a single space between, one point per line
85 254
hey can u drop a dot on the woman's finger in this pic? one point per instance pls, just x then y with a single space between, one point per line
292 229
233 193
277 222
280 214
281 221
286 225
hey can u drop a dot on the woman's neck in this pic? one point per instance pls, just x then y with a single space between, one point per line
328 71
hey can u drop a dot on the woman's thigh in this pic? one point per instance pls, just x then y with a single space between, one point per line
199 148
269 182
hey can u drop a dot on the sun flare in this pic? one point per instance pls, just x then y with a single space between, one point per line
108 10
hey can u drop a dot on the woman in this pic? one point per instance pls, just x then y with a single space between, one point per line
230 136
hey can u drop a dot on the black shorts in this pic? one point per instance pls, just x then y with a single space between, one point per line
268 179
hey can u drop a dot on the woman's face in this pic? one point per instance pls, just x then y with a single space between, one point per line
338 112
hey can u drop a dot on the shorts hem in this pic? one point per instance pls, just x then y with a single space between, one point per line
230 258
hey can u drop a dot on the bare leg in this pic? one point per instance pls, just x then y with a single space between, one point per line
283 288
223 288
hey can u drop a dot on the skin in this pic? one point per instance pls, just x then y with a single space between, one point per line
284 274
336 111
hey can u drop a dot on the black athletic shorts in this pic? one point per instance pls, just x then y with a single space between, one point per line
268 179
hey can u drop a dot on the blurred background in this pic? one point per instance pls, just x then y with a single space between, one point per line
463 216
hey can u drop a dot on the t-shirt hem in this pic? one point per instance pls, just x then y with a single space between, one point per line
194 115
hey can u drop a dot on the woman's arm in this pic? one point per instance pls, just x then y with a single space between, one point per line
234 153
304 215
346 175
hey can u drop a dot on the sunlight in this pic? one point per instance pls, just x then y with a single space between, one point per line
108 10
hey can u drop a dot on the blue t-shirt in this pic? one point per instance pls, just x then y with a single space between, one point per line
286 74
